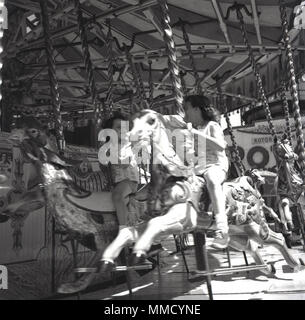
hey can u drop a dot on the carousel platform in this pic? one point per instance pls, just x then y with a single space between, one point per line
171 281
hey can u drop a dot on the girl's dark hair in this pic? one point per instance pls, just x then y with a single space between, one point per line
209 113
116 116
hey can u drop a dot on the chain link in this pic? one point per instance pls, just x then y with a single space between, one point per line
258 78
88 64
54 87
110 73
192 59
293 88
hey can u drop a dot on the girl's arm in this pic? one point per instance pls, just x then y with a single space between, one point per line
216 138
174 121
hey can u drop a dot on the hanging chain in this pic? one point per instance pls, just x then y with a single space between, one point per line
293 88
183 83
143 97
56 101
192 59
88 64
286 111
151 85
172 55
255 68
237 158
283 89
110 71
139 91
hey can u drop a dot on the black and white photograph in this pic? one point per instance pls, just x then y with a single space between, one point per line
152 152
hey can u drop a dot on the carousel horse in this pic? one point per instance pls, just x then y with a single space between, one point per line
177 198
180 196
85 216
258 181
290 182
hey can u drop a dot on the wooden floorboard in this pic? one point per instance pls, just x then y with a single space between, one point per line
173 283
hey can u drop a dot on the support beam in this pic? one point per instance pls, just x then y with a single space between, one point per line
233 73
208 50
256 21
37 31
27 5
154 20
215 69
220 18
113 13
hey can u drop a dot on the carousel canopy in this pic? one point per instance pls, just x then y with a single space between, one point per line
128 52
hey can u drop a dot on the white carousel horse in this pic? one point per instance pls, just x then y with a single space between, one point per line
176 201
289 184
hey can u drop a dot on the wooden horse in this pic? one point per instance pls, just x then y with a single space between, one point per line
177 198
289 183
88 217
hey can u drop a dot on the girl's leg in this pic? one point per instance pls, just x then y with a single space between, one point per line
120 198
214 178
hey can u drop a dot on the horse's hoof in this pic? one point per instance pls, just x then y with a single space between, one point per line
302 263
290 226
288 240
70 288
137 259
105 266
271 269
299 268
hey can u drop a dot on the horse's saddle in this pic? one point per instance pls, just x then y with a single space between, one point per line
97 202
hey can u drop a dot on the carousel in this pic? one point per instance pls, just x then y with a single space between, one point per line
71 229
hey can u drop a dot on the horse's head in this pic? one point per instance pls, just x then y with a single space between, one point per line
147 125
256 177
33 140
152 129
284 151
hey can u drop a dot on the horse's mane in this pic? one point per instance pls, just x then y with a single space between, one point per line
181 166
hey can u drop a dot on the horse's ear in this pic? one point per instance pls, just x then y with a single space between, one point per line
284 136
55 159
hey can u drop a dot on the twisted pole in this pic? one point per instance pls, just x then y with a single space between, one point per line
151 84
183 83
55 96
3 109
110 71
293 88
192 59
286 112
255 68
172 57
88 63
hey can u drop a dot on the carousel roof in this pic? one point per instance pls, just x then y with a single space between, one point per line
213 30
